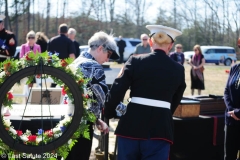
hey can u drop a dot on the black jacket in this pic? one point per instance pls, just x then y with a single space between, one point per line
9 43
154 76
121 45
62 45
232 94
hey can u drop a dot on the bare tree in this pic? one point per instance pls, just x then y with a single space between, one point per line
7 19
48 15
57 19
33 14
28 14
111 10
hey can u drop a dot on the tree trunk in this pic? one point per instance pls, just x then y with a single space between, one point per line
57 20
28 15
6 14
39 27
16 19
33 14
47 20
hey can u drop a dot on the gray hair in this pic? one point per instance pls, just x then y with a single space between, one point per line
30 34
143 35
72 31
102 39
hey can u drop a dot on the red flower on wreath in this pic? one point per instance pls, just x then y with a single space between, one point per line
49 133
6 66
9 96
63 63
85 96
32 138
19 133
28 58
38 76
63 91
80 81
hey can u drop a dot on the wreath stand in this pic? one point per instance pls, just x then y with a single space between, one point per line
42 69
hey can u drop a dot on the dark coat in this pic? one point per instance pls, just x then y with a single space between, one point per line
154 76
121 45
232 94
174 57
8 43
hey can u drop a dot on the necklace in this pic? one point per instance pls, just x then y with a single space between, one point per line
237 82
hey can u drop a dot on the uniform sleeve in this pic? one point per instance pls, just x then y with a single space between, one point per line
227 95
118 89
12 47
178 94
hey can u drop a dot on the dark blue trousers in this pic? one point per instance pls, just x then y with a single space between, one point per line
131 149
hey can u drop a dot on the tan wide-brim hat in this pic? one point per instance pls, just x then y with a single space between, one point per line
171 32
2 17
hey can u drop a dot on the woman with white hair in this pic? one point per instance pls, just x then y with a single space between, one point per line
71 35
102 48
145 129
30 45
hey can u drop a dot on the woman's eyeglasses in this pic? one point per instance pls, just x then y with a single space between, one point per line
109 53
144 39
31 37
179 47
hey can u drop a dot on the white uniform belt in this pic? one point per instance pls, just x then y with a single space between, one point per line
151 102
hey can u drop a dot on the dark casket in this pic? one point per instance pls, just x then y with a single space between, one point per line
187 108
210 104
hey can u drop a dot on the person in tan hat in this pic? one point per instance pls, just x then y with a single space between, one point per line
157 83
7 41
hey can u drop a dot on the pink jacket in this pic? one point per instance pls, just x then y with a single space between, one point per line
25 48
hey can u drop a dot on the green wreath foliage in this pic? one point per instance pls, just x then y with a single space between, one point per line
10 66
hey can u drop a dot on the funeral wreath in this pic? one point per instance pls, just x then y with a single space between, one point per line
57 141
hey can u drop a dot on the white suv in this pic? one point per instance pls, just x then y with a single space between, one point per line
216 54
130 46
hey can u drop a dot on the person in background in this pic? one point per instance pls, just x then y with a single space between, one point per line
197 63
61 44
178 55
8 42
71 35
30 45
121 46
102 48
145 129
142 47
42 41
232 113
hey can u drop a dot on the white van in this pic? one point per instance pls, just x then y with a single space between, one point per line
216 54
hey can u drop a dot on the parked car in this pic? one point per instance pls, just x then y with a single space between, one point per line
16 55
130 46
83 48
215 54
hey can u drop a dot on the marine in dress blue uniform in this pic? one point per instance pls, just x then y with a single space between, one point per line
7 42
157 83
